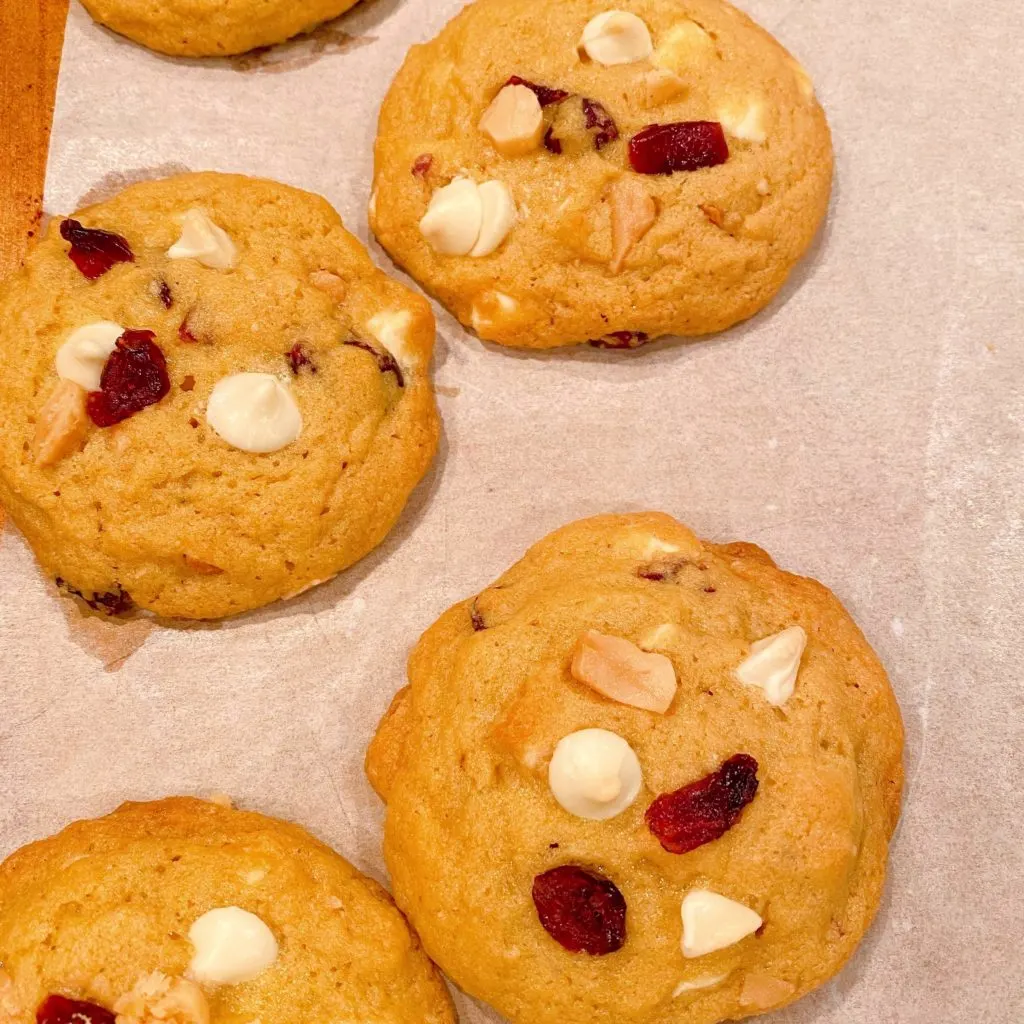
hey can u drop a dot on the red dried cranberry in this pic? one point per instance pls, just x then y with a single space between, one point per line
61 1010
297 359
681 146
477 619
134 377
597 117
94 251
705 810
186 334
165 295
551 144
422 164
622 339
545 95
580 911
385 360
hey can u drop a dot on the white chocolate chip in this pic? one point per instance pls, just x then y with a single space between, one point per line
490 308
254 412
454 217
61 424
204 241
621 671
616 37
704 981
499 214
773 664
682 47
594 774
82 357
231 946
514 121
391 329
744 122
660 637
712 922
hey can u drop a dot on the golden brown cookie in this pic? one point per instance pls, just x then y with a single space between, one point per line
640 778
577 172
193 913
212 398
212 28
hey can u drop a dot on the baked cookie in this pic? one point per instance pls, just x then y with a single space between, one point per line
211 398
212 28
576 172
640 778
193 913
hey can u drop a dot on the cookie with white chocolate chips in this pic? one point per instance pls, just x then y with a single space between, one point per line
189 912
640 778
212 398
576 172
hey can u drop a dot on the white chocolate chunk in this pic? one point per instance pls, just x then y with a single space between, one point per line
712 922
616 37
254 412
454 217
684 46
391 329
514 121
499 214
773 664
704 981
491 307
82 357
594 774
660 637
744 122
204 241
231 946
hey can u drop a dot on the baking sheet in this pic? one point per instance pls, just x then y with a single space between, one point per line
868 429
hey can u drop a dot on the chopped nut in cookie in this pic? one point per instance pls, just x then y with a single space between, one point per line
329 283
660 637
634 212
763 992
773 664
594 774
696 984
514 121
61 424
204 241
197 565
621 671
712 922
158 998
616 37
661 86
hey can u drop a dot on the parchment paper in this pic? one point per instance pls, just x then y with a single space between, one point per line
868 429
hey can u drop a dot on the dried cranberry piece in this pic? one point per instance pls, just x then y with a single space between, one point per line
479 624
112 602
705 810
297 359
134 377
546 96
386 362
597 117
185 334
94 251
422 164
680 146
580 911
165 295
551 144
61 1010
622 339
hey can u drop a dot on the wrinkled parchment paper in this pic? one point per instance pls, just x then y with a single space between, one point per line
868 429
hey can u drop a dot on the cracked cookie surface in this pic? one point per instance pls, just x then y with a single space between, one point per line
598 249
595 810
105 913
129 483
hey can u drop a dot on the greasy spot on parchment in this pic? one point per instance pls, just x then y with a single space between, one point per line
110 641
301 51
116 181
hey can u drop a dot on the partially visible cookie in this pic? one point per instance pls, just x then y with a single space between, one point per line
584 171
193 913
211 397
640 778
212 28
